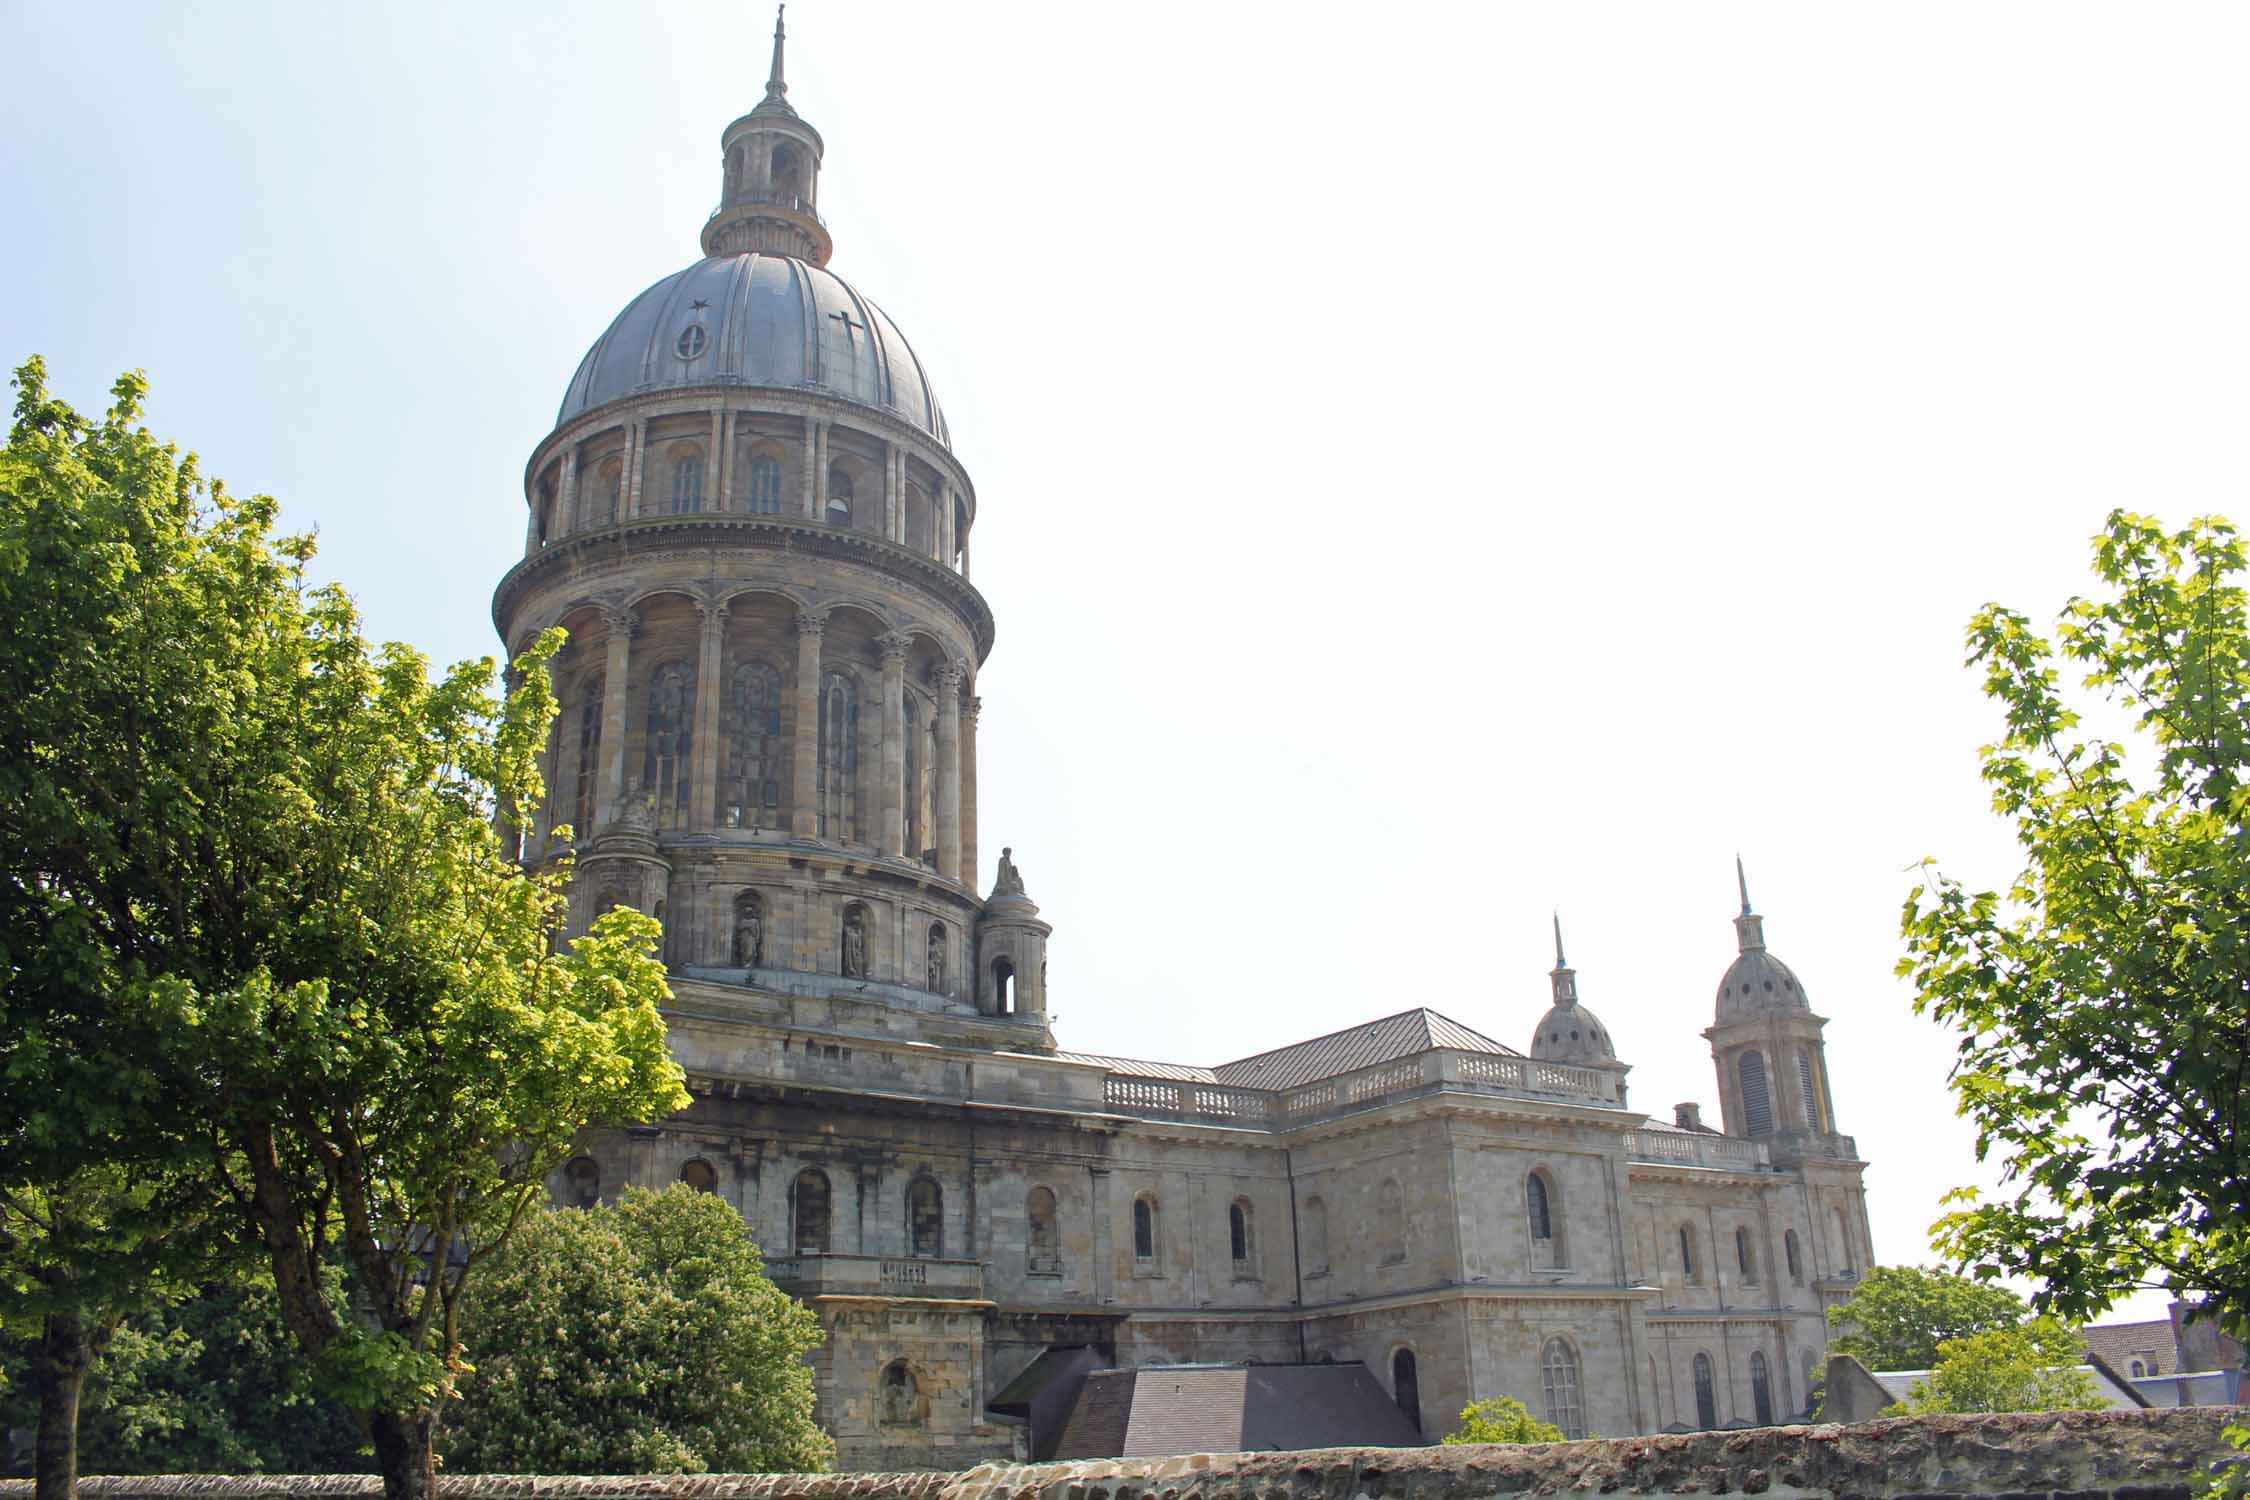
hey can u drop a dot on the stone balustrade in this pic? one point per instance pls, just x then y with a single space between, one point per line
1430 1072
877 1276
1689 1149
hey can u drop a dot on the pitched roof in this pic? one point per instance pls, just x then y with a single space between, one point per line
1158 1410
2122 1343
1406 1034
1134 1067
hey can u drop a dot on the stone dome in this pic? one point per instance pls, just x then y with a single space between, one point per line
757 320
1569 1032
1757 983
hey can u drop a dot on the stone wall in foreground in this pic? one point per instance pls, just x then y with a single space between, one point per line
2104 1455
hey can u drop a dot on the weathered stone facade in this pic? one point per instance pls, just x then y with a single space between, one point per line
750 522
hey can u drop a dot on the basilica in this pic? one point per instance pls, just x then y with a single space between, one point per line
750 521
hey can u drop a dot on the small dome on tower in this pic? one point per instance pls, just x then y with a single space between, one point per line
1569 1032
1757 983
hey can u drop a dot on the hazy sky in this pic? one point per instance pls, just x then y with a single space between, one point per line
1437 465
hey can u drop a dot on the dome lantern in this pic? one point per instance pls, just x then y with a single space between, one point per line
1569 1032
769 187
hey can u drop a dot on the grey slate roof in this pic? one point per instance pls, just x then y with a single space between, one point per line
1407 1034
1159 1410
756 320
2122 1343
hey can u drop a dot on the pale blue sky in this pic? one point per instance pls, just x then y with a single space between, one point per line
1437 464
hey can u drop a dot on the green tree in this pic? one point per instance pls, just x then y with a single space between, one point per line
211 1384
1502 1419
2032 1368
303 932
2103 1000
1898 1316
131 598
637 1338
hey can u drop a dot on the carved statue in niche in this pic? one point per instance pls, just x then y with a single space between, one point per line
1010 879
855 943
749 931
937 961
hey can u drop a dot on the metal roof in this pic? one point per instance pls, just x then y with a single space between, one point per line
760 320
1160 1410
1407 1034
1134 1067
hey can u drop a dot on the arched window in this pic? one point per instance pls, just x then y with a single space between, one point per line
1757 1103
1045 1247
546 511
783 168
664 755
749 947
598 499
1687 1256
1144 1232
589 759
750 781
1761 1389
1240 1246
1558 1372
1843 1240
1706 1394
1314 1224
1808 1095
809 1207
700 1175
1406 1387
925 1218
1390 1226
1003 987
839 496
901 1395
1794 1255
1745 1257
2136 1369
839 755
734 170
921 520
852 942
687 483
765 485
1539 1211
582 1182
933 961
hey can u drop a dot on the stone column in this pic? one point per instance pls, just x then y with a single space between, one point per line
965 552
804 749
711 468
812 468
610 788
893 825
636 459
703 755
722 434
969 875
949 770
893 529
819 511
567 495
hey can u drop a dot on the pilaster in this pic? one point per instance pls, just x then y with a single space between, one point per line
893 825
616 692
949 770
703 755
804 743
970 872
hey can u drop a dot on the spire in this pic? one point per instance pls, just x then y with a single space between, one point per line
775 88
1749 928
1563 978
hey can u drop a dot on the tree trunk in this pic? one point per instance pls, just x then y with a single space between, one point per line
66 1353
403 1454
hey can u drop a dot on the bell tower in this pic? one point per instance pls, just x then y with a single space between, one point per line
1768 1046
769 190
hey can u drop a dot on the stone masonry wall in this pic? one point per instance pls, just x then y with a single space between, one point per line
2121 1455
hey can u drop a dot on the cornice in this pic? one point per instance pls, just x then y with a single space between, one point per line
630 539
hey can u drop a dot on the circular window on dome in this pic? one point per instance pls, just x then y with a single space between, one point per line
692 341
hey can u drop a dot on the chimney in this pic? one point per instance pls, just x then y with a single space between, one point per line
1688 1116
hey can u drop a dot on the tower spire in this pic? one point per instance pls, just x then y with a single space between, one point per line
1749 928
775 88
1563 979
